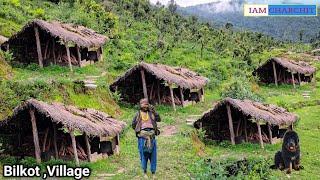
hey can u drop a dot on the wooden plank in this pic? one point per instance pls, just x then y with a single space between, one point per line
260 135
275 73
68 55
270 133
78 55
172 97
292 77
74 146
181 95
230 125
144 85
45 139
35 136
88 146
40 57
55 140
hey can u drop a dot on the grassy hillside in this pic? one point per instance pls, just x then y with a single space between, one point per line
137 32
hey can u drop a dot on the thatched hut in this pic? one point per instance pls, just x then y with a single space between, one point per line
53 42
160 84
245 120
282 70
40 129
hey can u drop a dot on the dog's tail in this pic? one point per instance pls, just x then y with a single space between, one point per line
273 167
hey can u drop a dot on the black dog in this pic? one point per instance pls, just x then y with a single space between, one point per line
289 156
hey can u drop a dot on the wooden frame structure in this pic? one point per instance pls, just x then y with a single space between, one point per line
56 43
160 84
282 70
46 122
245 121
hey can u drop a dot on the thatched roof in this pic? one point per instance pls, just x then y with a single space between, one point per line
267 113
77 34
294 66
90 121
3 39
180 76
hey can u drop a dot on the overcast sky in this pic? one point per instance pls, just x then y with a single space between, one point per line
185 3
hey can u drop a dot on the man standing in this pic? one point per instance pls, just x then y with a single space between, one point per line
145 125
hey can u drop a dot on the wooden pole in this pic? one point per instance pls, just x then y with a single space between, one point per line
202 94
74 146
158 91
270 133
182 97
292 76
88 146
275 73
53 51
79 55
55 140
68 55
118 144
101 55
260 135
172 97
299 78
245 129
45 140
230 125
40 58
35 136
144 85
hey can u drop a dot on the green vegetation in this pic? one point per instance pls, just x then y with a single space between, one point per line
138 31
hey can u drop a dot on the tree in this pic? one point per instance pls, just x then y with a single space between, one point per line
203 37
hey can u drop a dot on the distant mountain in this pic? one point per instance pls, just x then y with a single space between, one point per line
286 28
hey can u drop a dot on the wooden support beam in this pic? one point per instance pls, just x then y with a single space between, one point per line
144 85
40 57
118 145
230 125
158 91
299 78
275 73
292 77
101 55
53 51
69 56
172 97
35 135
55 140
78 55
86 139
270 133
46 50
202 98
181 95
245 129
74 146
260 135
45 139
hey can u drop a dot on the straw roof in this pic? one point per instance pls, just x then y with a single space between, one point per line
3 39
261 112
180 76
77 34
90 121
293 66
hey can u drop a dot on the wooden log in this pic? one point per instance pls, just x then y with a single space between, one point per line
230 125
53 51
292 76
158 91
172 98
245 129
202 97
35 136
182 96
270 133
118 145
40 57
88 146
101 57
46 50
275 73
260 135
299 78
68 55
55 140
45 140
144 85
74 146
78 55
238 127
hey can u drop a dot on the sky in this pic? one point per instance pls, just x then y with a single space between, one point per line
185 3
